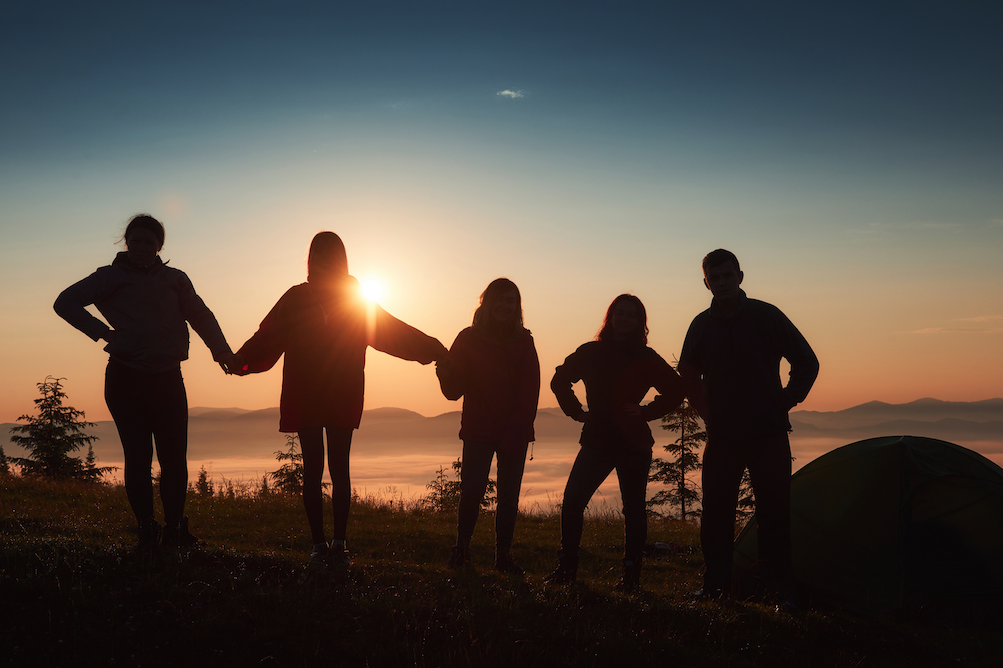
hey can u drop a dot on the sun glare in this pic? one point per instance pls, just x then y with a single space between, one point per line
372 289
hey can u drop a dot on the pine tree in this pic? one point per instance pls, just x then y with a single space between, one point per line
52 435
681 493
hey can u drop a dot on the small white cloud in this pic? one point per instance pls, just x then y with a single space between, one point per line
511 94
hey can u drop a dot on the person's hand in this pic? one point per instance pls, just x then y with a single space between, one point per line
632 409
444 366
232 364
583 416
440 355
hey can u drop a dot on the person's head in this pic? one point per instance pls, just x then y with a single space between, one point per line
722 274
144 239
500 308
328 260
626 320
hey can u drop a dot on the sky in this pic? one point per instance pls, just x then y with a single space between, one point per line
850 154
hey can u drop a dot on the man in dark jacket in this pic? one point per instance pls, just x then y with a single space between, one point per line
730 363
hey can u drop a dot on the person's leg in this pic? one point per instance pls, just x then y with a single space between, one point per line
770 472
170 430
312 447
339 448
511 466
476 465
125 403
590 469
632 472
722 472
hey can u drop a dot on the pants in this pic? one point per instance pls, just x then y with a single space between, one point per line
339 446
148 408
473 482
768 459
591 468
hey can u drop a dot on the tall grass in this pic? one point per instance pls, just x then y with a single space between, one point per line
74 592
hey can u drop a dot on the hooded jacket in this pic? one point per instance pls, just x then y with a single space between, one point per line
323 333
147 308
499 380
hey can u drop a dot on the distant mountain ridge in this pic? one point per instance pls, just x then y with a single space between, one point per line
226 432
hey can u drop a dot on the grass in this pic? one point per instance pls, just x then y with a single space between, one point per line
73 591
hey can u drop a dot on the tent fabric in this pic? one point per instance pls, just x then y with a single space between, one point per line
891 522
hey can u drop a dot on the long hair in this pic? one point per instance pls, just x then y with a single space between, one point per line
605 332
147 222
491 294
328 260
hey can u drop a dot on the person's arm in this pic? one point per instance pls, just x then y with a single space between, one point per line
71 305
202 320
263 350
565 376
804 365
527 400
454 370
671 391
690 372
394 337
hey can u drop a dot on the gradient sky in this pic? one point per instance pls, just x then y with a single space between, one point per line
851 155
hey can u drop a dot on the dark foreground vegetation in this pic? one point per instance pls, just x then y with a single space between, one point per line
74 592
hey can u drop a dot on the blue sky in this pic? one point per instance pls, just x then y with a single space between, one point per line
850 153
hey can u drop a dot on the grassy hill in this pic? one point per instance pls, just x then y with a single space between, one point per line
74 592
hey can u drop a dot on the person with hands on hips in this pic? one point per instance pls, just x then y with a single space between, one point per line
618 369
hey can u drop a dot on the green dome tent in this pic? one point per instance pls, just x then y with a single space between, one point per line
894 522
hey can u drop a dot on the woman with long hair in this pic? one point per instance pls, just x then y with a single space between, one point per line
323 327
493 365
618 369
148 306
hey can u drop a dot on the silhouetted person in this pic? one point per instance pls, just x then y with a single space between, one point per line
730 363
618 369
323 327
493 365
147 305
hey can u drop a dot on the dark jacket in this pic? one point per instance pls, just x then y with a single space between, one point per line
499 380
731 366
616 375
148 309
324 334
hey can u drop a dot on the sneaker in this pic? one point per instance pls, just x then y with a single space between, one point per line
459 557
708 594
178 536
630 581
566 572
319 554
337 554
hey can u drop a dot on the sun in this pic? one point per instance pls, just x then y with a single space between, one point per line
372 289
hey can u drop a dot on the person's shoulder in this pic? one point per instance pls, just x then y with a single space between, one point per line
761 308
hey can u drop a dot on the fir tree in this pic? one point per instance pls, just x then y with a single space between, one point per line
675 473
52 435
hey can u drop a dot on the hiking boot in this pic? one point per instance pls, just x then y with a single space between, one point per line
566 572
504 564
149 534
459 557
178 536
630 581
